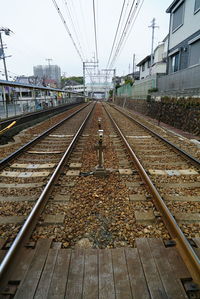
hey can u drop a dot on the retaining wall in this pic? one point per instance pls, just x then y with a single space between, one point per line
183 114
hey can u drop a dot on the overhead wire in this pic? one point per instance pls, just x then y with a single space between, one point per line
67 28
129 24
119 22
74 8
124 29
74 27
95 31
85 31
131 27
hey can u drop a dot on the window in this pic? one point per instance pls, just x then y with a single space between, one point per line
197 5
148 64
143 67
175 63
194 53
177 17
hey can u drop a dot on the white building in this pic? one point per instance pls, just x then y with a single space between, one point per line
144 66
160 58
159 65
184 35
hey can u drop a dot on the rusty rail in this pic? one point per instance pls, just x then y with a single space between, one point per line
29 225
187 253
184 154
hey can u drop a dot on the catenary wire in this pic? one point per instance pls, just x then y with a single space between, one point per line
74 28
67 28
95 31
122 9
124 30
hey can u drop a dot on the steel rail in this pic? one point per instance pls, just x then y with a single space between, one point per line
195 161
4 162
27 228
187 253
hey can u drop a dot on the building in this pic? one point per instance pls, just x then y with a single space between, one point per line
159 65
160 58
144 66
184 35
50 74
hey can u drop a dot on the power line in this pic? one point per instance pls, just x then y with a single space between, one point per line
95 30
122 9
133 13
74 28
67 28
85 31
124 31
133 22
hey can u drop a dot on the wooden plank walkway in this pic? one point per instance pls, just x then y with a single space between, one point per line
148 271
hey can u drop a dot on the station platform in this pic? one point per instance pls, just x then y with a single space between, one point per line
151 270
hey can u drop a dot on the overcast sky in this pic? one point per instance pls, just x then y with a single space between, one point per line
39 33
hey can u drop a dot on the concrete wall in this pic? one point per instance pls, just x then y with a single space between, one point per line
182 82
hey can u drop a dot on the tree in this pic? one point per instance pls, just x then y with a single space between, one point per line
70 80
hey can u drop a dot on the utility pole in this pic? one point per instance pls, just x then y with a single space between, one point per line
7 32
153 26
133 65
84 80
114 75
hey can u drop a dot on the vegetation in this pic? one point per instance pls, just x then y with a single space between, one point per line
154 89
129 80
184 102
65 80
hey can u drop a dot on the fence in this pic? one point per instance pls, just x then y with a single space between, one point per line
26 105
17 98
140 88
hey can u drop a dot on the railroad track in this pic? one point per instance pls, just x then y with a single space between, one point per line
172 177
88 211
191 146
30 133
36 165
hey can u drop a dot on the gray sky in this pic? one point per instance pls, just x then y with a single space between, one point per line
39 33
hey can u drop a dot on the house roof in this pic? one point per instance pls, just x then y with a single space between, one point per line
144 60
169 9
166 37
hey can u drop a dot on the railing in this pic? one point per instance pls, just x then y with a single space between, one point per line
13 102
140 88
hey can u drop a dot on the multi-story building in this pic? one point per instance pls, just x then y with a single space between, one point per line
144 66
48 72
184 35
159 61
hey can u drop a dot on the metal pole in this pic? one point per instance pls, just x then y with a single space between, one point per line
152 41
133 65
4 60
84 80
114 74
153 26
5 102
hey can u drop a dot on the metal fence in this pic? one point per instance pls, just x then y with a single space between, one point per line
26 105
140 88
